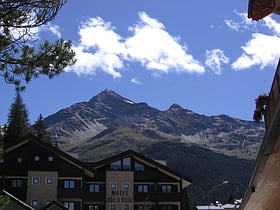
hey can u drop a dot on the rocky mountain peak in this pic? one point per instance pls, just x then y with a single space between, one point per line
108 96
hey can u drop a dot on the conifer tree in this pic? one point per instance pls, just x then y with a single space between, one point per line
39 129
23 56
18 122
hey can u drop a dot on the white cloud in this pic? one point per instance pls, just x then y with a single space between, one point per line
155 49
261 50
243 24
214 59
272 25
88 63
54 29
101 48
136 81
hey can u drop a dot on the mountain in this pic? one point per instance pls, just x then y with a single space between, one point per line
208 149
109 123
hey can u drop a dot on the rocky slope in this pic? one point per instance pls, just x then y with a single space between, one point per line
109 123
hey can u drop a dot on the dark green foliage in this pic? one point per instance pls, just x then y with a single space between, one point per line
22 58
206 168
4 200
18 122
39 129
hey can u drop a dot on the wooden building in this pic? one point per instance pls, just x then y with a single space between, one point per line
264 187
38 174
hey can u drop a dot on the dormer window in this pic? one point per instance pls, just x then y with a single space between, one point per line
117 165
139 166
123 164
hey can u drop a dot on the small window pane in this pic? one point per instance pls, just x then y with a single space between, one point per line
142 188
69 205
16 183
19 159
50 158
34 203
166 188
49 180
69 184
93 207
94 188
126 186
125 207
37 158
127 163
113 206
35 180
113 186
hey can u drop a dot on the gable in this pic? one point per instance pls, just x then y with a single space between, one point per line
131 160
36 154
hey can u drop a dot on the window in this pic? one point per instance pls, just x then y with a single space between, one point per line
166 188
117 165
126 207
49 180
69 204
113 186
69 184
113 207
142 188
94 188
35 180
19 159
34 203
126 163
48 201
36 157
126 186
93 207
50 158
138 166
16 183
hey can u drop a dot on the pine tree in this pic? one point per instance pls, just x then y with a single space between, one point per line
22 56
39 129
18 122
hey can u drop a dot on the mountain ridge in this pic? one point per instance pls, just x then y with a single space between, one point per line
83 122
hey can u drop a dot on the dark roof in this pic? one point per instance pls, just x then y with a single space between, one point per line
55 204
258 9
145 159
52 149
16 200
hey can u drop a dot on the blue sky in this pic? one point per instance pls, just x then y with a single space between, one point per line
202 55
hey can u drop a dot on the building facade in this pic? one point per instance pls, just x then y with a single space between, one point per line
38 173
